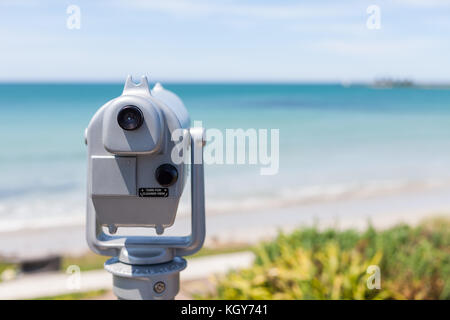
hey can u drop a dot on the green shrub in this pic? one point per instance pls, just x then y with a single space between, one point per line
313 264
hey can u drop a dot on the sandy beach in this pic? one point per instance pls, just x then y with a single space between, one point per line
247 226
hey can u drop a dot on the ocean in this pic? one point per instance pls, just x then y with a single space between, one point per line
336 142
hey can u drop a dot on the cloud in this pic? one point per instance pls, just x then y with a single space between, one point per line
382 49
263 11
424 3
19 3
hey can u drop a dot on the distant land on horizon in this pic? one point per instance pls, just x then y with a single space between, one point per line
381 83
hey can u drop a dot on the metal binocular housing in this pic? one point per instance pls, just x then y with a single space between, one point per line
133 181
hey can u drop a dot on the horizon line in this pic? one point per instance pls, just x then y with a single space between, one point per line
341 81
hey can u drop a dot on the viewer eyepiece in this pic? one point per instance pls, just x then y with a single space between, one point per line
135 180
166 175
130 118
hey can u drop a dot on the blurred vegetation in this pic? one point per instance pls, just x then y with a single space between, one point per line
77 295
6 266
223 249
7 271
91 261
87 262
312 264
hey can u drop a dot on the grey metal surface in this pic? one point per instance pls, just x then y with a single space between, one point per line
146 282
159 214
145 140
144 267
113 176
146 147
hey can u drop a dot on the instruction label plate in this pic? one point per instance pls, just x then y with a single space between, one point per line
154 192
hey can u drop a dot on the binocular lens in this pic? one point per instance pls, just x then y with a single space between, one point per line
130 118
166 175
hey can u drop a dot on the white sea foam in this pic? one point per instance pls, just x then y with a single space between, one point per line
69 209
290 197
37 212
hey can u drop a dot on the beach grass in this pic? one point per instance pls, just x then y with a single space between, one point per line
310 263
223 249
92 261
76 295
87 262
7 267
413 263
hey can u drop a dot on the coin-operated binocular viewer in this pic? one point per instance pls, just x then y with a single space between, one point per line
135 179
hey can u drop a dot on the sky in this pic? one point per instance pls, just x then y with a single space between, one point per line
225 41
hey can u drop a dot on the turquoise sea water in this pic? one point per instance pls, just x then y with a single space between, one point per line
335 142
